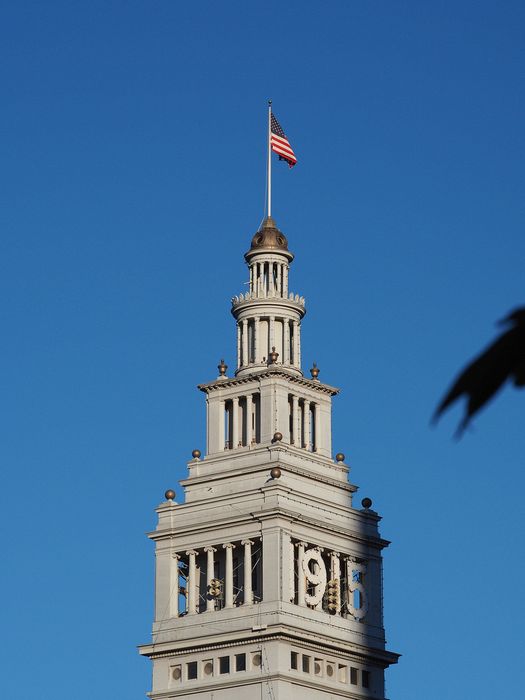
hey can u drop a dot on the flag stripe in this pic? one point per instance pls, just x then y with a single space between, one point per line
279 139
280 144
283 152
282 147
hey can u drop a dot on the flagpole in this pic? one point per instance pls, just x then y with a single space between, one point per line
269 158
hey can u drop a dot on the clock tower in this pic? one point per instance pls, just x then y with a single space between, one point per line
268 577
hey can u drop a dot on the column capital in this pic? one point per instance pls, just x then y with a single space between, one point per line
192 551
228 545
247 542
353 559
336 555
301 544
210 549
175 555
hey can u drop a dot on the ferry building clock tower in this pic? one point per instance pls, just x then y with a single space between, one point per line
268 578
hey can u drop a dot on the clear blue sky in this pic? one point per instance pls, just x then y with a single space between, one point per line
132 178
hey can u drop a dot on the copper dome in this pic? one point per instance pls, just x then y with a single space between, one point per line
269 239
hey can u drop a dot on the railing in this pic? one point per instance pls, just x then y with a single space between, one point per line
272 294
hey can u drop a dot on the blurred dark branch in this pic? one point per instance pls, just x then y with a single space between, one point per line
483 377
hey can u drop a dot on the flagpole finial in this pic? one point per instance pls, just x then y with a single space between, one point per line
269 103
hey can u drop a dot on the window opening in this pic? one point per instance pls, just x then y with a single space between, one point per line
251 340
240 662
257 417
228 425
191 670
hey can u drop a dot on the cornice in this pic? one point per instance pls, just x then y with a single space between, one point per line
233 520
270 372
277 461
350 651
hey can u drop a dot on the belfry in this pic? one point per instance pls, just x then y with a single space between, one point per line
268 579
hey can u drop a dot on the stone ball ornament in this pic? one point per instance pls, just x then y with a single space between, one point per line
340 457
366 503
170 495
277 437
196 454
276 473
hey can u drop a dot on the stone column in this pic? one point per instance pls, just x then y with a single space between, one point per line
279 280
271 335
271 286
235 422
222 424
307 426
335 575
245 342
316 442
192 582
251 278
257 354
295 326
301 579
286 341
319 605
296 421
228 582
174 588
261 279
297 333
210 602
239 359
249 410
285 280
291 572
248 593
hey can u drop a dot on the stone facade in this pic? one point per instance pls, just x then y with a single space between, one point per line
268 581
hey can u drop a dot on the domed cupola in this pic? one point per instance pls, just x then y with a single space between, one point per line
268 315
269 239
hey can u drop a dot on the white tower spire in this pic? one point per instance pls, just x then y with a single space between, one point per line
268 579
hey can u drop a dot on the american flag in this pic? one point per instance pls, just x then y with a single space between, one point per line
280 144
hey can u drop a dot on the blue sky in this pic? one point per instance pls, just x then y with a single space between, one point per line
132 149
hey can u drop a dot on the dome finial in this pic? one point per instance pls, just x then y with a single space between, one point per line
269 222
